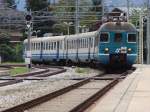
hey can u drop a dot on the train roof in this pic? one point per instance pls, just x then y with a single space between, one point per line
56 38
53 38
114 26
33 39
82 35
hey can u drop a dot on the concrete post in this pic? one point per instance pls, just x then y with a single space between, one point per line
148 37
140 43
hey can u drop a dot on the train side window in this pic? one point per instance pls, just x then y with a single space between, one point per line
87 42
104 37
72 44
39 45
35 46
78 43
46 45
49 47
91 42
54 45
60 43
131 37
82 43
118 37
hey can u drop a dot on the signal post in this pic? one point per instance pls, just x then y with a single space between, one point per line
29 54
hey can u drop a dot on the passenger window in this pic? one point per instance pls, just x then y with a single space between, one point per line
118 37
104 37
51 45
131 37
92 42
54 45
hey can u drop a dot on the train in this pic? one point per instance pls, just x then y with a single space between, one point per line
114 43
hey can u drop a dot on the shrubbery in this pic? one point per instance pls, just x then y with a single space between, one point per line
8 51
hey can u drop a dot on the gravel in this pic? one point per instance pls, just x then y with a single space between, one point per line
73 73
21 92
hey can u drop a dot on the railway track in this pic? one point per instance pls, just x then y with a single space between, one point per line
36 75
74 98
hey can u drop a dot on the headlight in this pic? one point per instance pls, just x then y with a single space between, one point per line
106 50
129 49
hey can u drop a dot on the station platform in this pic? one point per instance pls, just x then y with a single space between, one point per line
130 95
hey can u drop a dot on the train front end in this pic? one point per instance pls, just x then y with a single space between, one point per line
117 44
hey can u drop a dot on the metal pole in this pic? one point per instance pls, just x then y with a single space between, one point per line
29 45
128 10
102 5
68 29
77 17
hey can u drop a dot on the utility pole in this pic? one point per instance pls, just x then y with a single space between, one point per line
77 22
29 28
128 10
140 47
103 7
148 33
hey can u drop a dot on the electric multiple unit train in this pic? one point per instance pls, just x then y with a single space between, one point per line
113 43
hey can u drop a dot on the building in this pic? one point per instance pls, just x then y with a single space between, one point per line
11 22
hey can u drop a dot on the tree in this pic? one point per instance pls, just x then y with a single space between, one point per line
67 8
6 50
43 23
18 53
11 3
97 7
135 16
36 5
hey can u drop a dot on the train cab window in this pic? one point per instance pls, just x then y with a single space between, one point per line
118 37
104 37
131 37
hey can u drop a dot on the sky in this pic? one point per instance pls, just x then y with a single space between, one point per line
21 3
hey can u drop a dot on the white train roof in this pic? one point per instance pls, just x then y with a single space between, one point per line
33 39
53 38
39 39
57 38
82 35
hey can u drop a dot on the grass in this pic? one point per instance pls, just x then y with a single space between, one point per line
81 70
18 70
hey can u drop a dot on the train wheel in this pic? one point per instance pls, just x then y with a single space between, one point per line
61 62
69 63
92 64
